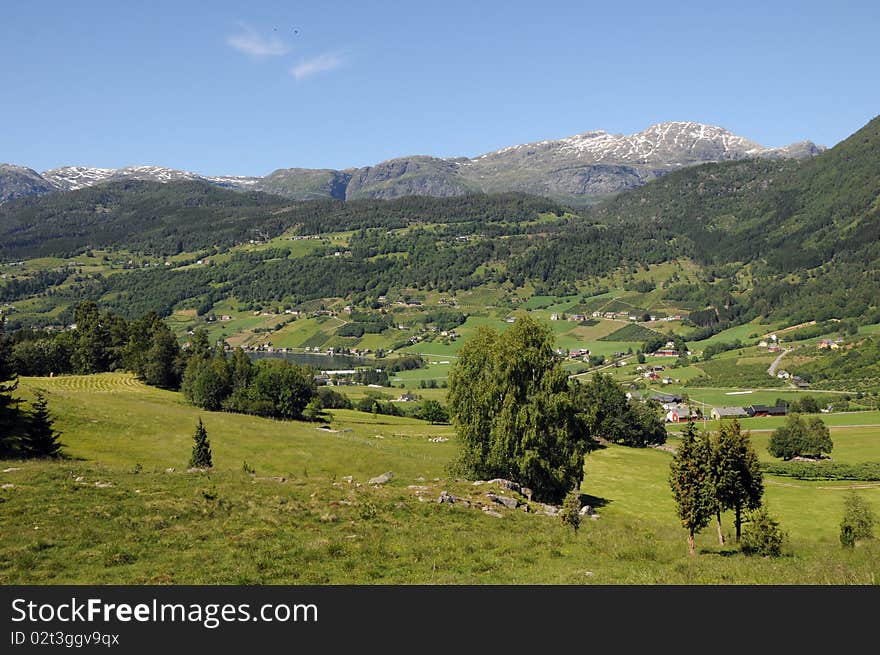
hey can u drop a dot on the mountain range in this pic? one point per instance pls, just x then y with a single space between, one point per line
579 169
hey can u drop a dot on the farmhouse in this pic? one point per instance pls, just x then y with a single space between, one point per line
666 398
766 410
668 350
679 413
729 412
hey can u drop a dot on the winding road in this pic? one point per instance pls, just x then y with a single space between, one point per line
772 370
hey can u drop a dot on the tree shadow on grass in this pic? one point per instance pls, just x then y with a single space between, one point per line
721 552
593 501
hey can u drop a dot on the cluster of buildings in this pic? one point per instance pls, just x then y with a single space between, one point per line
771 344
678 411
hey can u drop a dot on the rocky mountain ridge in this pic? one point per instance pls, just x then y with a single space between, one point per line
579 169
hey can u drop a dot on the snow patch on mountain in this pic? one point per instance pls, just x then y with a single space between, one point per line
669 144
71 178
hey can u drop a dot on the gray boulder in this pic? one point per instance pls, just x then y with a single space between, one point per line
381 479
509 503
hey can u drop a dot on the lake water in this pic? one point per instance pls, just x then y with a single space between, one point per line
318 361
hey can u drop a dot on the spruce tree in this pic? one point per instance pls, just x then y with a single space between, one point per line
10 416
691 483
40 437
201 452
736 475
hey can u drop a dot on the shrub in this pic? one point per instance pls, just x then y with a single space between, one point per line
762 535
571 510
858 520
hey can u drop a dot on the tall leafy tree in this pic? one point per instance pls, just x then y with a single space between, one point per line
281 389
162 366
514 410
140 334
92 353
609 414
200 345
690 478
799 436
40 437
241 372
206 382
433 412
737 480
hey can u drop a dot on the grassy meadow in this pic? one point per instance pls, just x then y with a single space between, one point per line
122 508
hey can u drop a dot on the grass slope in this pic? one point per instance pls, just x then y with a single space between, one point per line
112 513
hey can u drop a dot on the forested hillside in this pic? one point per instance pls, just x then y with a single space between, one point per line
793 238
796 240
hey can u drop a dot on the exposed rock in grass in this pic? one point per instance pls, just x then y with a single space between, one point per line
11 469
507 484
448 498
381 479
510 503
492 512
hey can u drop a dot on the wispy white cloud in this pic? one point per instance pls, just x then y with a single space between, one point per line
320 64
252 43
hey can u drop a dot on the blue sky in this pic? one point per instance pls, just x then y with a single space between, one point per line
245 88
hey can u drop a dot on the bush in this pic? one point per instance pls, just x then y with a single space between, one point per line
858 520
571 510
332 399
864 471
762 535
